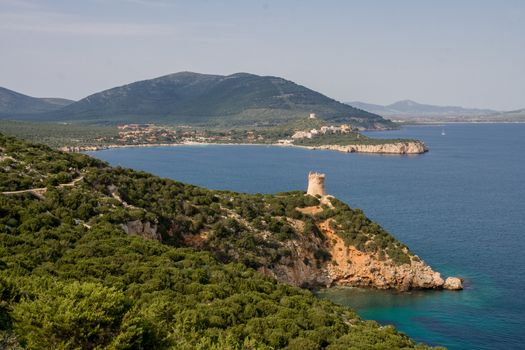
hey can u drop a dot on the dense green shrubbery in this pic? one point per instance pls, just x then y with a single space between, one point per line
71 278
67 286
24 165
184 209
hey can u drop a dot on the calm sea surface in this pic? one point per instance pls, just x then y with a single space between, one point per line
461 207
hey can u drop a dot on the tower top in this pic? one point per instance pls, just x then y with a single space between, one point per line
316 184
315 174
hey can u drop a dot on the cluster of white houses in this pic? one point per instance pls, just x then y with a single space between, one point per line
342 129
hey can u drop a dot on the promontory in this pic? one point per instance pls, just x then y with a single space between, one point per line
106 256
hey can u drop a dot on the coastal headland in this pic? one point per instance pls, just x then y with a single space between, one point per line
337 138
77 231
311 240
408 147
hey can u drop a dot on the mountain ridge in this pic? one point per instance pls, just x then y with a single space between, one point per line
16 103
237 99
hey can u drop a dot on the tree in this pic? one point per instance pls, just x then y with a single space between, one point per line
70 315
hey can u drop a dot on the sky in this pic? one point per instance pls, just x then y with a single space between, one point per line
464 52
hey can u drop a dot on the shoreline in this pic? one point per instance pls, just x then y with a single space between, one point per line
437 123
401 148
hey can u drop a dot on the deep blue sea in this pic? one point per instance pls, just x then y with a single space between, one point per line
461 207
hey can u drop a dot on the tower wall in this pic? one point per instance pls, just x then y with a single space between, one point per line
316 184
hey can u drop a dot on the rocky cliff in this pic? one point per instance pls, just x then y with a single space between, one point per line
407 147
351 267
348 266
332 252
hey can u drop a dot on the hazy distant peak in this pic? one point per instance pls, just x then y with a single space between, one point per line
404 103
410 108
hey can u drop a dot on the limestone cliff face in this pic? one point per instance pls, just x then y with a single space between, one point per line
348 266
301 267
351 267
409 147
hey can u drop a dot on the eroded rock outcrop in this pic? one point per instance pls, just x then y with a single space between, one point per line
144 229
404 147
348 266
453 283
351 267
301 267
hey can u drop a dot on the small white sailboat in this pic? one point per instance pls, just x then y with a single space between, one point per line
443 132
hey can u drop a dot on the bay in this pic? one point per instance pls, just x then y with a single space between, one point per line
461 207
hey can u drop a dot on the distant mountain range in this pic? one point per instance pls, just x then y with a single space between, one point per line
14 103
203 99
411 109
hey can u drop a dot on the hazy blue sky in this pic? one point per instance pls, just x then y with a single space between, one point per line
461 52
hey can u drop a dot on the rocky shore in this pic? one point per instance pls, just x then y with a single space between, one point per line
408 147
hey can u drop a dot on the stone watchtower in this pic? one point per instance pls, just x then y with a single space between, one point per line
316 184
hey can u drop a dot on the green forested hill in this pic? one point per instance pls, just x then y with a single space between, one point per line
13 103
71 278
192 98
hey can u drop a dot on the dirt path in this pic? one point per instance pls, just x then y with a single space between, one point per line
310 210
40 191
72 183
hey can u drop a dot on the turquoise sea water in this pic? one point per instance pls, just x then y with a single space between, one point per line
461 207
